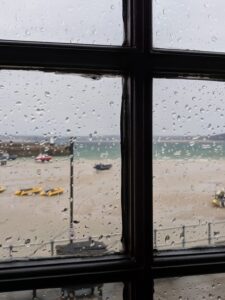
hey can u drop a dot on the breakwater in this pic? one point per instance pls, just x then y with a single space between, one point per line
30 149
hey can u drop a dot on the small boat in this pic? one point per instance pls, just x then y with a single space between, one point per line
102 167
2 189
28 191
52 192
12 157
43 157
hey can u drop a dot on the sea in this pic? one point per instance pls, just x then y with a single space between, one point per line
85 147
169 149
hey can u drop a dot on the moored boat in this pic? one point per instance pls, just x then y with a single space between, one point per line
28 191
102 167
43 157
52 192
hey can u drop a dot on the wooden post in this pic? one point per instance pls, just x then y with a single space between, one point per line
52 247
209 233
10 251
155 239
183 235
34 294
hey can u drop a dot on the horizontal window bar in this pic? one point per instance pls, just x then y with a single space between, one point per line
111 59
187 63
19 275
189 262
55 55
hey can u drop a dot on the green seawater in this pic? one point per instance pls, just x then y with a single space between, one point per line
97 150
188 150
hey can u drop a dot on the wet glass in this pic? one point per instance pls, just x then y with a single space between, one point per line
189 25
68 21
188 163
201 287
60 164
101 291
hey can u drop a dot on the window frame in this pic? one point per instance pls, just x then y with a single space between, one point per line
205 65
138 62
133 266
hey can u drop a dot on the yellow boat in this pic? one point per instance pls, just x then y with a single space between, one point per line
28 191
52 192
2 189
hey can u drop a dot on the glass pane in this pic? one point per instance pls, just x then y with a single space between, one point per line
68 21
188 163
189 24
60 168
201 287
101 291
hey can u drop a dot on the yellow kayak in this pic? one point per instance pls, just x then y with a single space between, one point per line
52 192
2 189
28 191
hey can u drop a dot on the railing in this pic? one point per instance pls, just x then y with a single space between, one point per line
186 236
49 247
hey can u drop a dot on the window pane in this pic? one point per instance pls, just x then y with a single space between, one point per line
99 291
189 24
68 21
60 168
188 163
201 287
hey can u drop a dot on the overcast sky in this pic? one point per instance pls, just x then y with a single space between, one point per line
189 24
188 107
70 21
43 103
39 103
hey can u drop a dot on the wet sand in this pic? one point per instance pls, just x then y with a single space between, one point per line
183 191
37 219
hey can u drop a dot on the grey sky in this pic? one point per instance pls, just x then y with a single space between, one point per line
70 21
189 24
38 103
60 104
188 107
181 107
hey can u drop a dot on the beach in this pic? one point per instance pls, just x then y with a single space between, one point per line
30 220
183 192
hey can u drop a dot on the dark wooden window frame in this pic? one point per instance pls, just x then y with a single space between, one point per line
138 63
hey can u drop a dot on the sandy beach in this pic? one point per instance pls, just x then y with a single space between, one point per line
36 219
183 190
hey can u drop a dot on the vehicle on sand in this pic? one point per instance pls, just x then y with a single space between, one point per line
219 199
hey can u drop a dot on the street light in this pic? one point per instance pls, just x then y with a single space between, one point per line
71 150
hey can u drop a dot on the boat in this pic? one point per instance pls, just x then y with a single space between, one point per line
2 189
52 192
28 191
43 157
12 157
102 167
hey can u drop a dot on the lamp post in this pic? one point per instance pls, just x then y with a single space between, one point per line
71 150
